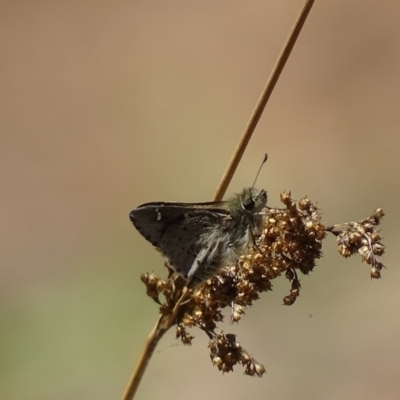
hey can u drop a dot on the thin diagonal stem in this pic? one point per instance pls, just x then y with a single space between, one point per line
263 100
148 350
164 323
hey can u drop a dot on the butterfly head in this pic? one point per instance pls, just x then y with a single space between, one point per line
253 200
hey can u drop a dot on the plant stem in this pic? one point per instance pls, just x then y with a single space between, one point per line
263 100
148 350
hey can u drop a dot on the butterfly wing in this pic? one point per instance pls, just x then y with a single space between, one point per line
183 244
176 229
153 219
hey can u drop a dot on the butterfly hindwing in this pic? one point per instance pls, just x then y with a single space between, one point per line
177 228
182 242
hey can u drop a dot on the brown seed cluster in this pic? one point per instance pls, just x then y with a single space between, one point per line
289 245
225 352
363 238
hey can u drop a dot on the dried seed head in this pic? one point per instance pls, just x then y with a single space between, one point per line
181 333
289 244
236 312
226 352
289 300
362 237
375 273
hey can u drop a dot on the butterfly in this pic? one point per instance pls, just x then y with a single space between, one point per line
197 239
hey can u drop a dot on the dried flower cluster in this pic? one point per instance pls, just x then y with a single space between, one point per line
290 244
226 352
362 237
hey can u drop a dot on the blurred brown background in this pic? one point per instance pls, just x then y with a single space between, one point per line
106 105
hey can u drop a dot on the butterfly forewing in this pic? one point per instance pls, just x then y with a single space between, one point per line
176 228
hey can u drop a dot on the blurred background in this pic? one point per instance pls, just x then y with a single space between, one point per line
109 104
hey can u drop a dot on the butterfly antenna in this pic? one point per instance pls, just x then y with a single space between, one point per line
259 169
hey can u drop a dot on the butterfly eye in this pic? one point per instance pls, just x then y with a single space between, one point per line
248 203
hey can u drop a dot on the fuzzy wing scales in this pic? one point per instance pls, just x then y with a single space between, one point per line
177 230
182 243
